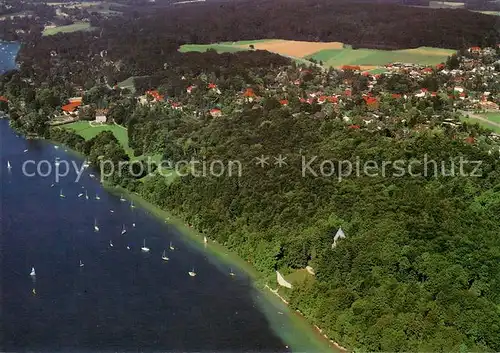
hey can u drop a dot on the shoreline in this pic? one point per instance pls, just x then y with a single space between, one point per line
311 332
227 256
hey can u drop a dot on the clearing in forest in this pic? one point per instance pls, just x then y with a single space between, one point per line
88 130
79 26
331 54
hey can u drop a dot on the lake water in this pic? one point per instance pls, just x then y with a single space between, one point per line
120 299
8 52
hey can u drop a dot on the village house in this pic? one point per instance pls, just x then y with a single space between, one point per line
215 112
100 116
71 109
176 106
249 95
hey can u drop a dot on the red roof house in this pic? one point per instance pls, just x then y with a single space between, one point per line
155 94
215 112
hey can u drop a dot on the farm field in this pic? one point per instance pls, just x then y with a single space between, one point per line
377 58
331 54
87 131
79 26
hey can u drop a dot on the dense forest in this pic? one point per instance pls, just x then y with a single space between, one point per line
419 269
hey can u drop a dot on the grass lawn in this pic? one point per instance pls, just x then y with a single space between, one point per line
84 129
493 116
79 26
482 123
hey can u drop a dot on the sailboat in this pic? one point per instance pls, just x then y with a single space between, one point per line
231 273
192 273
144 248
26 150
124 230
81 263
133 225
97 197
86 195
171 246
52 185
164 256
61 195
110 243
128 247
96 228
32 273
80 194
122 199
132 204
205 240
8 165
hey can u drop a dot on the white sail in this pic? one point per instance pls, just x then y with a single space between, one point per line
81 263
96 228
8 165
122 199
164 256
132 204
171 246
110 243
80 194
144 247
124 230
192 273
32 273
61 195
97 197
282 281
205 240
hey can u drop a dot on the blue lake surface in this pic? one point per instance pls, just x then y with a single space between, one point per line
121 299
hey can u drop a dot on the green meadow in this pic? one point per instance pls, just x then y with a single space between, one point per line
492 116
79 26
87 131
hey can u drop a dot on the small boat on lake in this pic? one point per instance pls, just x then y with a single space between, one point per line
122 199
97 197
171 246
96 228
164 256
86 195
110 244
61 195
81 263
231 273
132 204
192 273
8 165
32 273
80 194
144 247
124 230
